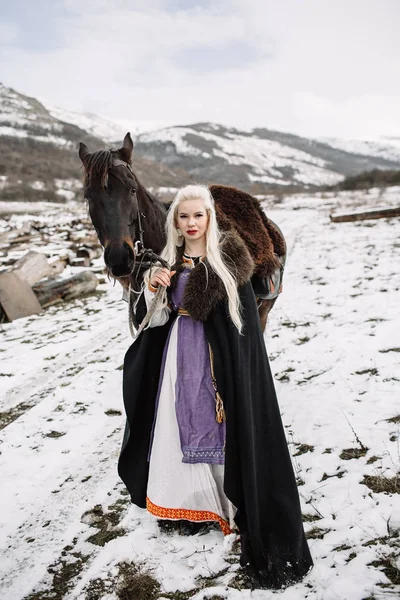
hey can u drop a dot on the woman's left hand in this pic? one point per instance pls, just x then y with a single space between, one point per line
162 277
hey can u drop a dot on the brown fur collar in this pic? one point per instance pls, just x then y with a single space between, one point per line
204 289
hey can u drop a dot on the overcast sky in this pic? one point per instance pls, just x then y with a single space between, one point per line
311 67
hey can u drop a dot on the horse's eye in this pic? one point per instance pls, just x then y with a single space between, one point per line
133 190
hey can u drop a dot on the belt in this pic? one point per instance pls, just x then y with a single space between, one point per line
183 312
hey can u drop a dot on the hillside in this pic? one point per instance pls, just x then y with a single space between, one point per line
38 154
387 148
37 158
259 160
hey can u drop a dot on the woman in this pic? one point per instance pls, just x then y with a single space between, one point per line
204 439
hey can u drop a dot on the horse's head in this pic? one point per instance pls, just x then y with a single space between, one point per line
111 191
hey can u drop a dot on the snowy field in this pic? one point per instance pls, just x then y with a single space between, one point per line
67 529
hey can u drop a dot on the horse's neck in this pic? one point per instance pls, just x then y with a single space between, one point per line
153 222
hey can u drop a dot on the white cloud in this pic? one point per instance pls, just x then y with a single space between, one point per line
315 67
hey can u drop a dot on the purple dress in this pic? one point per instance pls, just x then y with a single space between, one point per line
202 438
186 458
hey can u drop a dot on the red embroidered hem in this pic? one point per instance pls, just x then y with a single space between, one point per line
189 515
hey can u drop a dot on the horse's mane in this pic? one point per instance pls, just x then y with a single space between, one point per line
98 165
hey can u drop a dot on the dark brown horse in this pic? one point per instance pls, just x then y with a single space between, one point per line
120 207
129 221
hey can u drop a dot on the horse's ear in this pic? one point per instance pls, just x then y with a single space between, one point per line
83 152
127 148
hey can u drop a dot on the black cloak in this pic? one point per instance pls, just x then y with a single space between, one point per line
259 478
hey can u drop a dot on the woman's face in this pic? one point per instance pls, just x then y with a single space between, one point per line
192 219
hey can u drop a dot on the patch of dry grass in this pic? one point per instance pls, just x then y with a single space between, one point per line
10 415
349 453
311 518
105 522
395 419
388 566
96 589
303 448
135 584
381 484
316 533
367 372
64 572
132 582
339 475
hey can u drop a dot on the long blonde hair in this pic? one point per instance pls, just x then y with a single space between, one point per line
213 241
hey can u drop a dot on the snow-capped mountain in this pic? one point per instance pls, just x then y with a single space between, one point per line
257 159
210 151
38 144
38 150
386 147
100 127
25 117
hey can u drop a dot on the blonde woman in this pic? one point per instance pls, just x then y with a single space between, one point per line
204 439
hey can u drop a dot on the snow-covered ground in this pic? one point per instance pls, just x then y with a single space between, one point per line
333 342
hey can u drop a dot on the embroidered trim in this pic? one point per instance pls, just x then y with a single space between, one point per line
188 515
211 456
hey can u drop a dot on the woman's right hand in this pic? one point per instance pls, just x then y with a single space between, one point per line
162 277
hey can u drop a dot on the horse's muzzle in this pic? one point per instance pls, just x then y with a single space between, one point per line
119 259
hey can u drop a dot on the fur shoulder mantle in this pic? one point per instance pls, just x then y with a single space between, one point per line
204 289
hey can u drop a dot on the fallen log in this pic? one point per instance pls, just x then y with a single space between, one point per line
32 267
54 291
19 240
362 215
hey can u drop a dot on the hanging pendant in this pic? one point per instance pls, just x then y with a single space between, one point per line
220 415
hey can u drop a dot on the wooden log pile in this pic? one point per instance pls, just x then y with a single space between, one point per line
32 261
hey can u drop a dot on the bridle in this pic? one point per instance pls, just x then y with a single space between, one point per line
147 257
